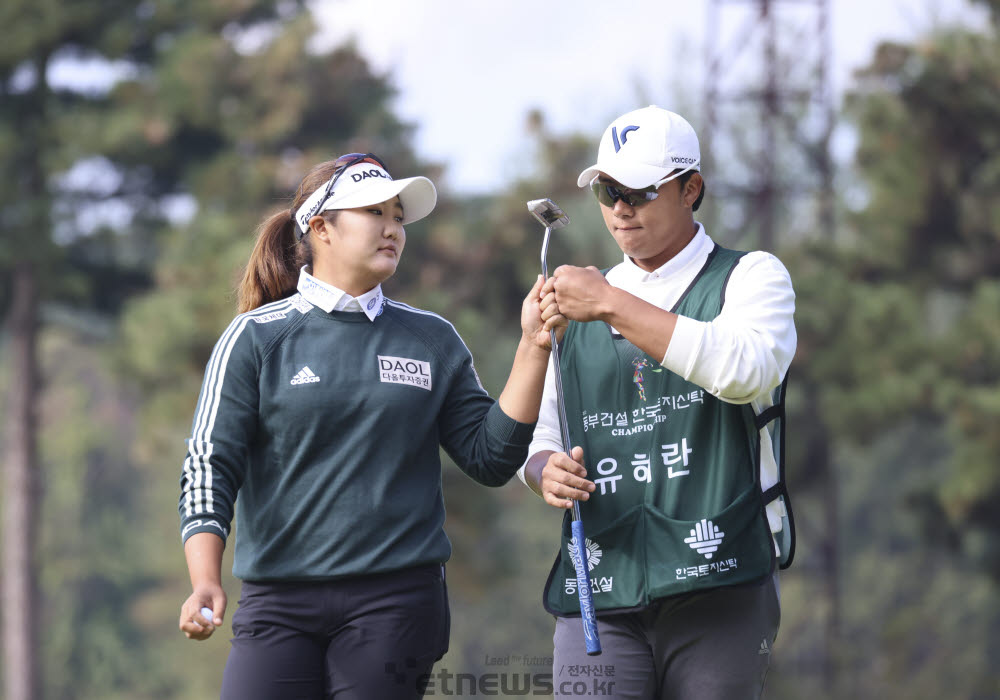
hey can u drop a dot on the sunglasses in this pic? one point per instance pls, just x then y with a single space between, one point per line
342 164
607 194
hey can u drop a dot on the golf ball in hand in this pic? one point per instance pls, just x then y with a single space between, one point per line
208 614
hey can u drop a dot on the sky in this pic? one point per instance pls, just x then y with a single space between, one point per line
469 72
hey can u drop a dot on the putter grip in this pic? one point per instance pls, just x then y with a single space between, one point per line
583 591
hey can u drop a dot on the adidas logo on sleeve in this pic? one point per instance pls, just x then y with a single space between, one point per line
305 376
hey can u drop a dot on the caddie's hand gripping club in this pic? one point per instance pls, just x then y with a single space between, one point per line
552 217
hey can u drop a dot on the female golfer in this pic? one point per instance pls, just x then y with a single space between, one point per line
323 407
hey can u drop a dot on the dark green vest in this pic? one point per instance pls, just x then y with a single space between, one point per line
678 505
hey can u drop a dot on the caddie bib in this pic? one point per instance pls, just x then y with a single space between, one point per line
678 505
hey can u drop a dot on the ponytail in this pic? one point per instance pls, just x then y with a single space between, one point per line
279 253
273 270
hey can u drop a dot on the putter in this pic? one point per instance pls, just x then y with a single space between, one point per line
552 217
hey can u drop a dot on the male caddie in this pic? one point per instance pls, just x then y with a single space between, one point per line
672 367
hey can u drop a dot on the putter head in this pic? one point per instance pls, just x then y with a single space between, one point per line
548 213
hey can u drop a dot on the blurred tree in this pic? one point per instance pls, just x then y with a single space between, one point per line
898 339
41 34
926 262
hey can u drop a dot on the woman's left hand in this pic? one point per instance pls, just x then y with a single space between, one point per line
539 315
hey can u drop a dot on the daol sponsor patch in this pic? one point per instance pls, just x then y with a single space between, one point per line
403 370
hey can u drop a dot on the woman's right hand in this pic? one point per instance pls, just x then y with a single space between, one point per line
540 314
195 625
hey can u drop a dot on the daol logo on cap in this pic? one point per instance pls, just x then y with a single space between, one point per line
365 174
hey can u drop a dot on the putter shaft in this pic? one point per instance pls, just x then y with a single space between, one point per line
560 402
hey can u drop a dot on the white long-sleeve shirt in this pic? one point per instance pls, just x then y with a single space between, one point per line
739 357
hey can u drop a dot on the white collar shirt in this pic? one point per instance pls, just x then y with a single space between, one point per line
329 298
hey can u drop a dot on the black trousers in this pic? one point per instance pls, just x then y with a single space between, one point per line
358 638
709 645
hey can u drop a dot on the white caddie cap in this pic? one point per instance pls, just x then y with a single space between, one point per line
369 183
643 147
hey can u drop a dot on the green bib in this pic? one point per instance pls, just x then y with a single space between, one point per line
678 505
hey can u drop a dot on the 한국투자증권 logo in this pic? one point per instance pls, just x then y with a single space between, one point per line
705 538
305 376
594 553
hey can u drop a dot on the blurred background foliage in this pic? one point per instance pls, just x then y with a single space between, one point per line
132 208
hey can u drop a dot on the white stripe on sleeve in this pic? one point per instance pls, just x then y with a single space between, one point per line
196 466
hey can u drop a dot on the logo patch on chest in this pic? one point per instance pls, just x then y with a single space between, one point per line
304 376
402 370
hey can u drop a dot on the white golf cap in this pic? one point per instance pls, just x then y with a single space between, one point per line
643 147
368 183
